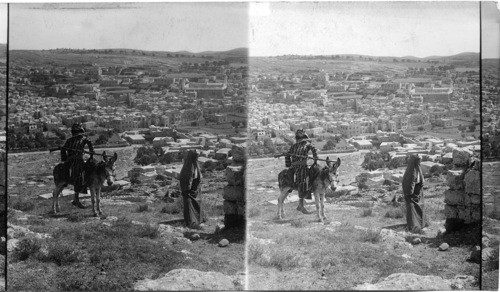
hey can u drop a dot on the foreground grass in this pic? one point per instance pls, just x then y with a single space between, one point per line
91 257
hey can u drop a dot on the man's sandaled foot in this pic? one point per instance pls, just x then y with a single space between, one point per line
78 204
303 210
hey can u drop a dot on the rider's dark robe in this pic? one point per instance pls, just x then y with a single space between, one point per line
298 165
72 155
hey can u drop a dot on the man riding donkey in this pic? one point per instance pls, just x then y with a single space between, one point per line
72 156
296 161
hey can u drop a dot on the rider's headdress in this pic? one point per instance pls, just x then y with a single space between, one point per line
300 135
77 129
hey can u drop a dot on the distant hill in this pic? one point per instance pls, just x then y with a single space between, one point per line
119 56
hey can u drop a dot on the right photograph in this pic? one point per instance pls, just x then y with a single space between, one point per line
364 147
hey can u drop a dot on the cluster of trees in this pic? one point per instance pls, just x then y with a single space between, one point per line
147 155
265 147
331 143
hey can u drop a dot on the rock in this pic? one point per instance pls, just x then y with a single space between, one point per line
472 182
407 281
219 228
441 232
485 241
12 244
475 255
455 179
223 243
187 279
195 236
181 241
416 241
462 282
461 156
444 246
427 165
488 254
343 191
454 197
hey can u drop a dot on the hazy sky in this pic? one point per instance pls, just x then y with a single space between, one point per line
3 23
490 16
372 28
193 27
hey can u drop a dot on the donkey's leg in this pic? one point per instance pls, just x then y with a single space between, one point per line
316 201
92 199
55 198
322 203
98 200
281 200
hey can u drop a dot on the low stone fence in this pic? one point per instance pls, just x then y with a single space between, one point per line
234 192
463 198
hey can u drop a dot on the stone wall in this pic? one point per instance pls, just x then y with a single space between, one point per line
463 198
234 192
491 189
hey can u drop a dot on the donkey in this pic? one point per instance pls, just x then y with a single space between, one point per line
320 181
95 175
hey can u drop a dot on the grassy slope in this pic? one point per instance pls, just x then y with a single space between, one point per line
88 254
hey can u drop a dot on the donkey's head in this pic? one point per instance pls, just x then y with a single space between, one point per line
109 167
333 173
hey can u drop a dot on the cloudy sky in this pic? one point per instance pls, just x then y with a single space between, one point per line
3 23
194 27
418 29
490 19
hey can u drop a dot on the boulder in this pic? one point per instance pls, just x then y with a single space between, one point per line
187 279
455 179
343 191
461 156
443 247
472 182
407 281
427 165
223 243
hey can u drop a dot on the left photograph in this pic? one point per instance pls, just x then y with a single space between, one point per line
126 146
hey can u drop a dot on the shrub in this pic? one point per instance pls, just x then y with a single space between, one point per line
396 213
63 253
367 212
371 235
22 204
26 248
149 230
297 223
173 208
143 208
76 217
254 212
284 259
255 252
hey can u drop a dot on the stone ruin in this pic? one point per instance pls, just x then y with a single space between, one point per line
463 198
234 192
